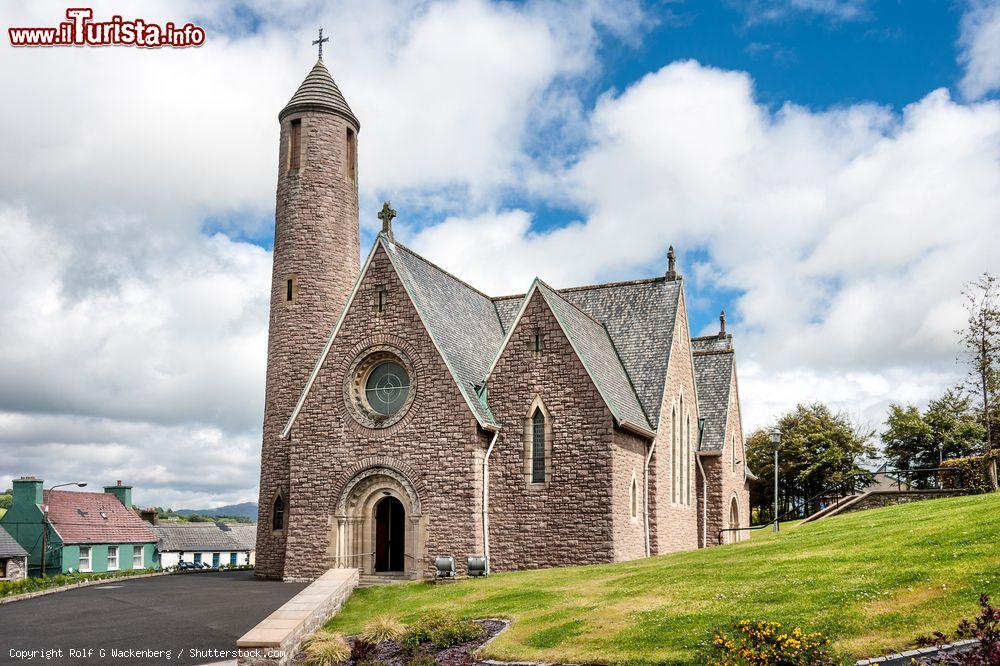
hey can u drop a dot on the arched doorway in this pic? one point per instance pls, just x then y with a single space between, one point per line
377 524
734 521
390 534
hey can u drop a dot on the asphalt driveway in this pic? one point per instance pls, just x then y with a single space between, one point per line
177 613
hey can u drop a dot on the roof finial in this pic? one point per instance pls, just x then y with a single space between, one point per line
722 323
386 215
671 264
320 42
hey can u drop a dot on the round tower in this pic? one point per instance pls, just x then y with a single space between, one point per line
316 261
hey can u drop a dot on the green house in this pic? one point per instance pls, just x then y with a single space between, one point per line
84 532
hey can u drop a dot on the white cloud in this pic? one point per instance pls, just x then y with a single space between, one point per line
979 45
846 234
760 11
133 342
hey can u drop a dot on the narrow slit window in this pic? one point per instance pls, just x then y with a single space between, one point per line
538 341
634 498
352 156
538 447
278 513
380 298
294 144
291 289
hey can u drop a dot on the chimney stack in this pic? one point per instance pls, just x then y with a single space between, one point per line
722 324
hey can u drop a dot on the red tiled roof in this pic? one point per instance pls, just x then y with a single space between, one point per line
95 518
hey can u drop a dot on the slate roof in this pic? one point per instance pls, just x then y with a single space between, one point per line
713 369
319 92
639 317
623 332
171 537
9 547
593 345
94 518
462 321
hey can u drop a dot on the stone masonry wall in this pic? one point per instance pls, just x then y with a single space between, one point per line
567 520
628 457
14 568
316 240
674 526
732 477
437 442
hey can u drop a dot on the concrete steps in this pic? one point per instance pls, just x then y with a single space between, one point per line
368 580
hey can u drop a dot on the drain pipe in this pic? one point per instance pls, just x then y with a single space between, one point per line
704 502
486 499
645 492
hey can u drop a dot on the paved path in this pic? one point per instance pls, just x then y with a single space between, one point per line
203 611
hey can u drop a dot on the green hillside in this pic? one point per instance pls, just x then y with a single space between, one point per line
871 580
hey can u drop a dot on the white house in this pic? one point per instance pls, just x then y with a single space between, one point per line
217 544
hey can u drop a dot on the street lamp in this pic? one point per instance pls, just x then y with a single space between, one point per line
45 519
775 444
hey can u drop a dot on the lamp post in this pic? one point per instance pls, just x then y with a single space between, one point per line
45 519
775 444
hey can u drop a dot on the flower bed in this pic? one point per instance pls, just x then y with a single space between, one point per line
414 648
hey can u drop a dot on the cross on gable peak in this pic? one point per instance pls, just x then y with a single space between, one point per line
386 215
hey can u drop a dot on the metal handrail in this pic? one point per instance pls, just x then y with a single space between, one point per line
870 477
740 529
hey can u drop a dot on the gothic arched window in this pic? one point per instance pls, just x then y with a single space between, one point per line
278 513
538 447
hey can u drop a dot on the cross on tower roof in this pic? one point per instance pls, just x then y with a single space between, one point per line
386 215
320 42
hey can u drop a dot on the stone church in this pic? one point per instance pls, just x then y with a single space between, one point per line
409 415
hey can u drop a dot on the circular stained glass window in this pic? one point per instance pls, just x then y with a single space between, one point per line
387 388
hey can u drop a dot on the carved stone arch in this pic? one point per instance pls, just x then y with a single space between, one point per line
379 470
537 405
355 539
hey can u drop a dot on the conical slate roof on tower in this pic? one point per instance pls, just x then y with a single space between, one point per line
319 93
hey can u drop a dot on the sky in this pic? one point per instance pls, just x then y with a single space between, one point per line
828 171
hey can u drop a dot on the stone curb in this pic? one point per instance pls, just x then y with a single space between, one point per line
916 656
75 586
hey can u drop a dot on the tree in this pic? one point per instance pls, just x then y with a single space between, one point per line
907 437
955 428
819 450
981 338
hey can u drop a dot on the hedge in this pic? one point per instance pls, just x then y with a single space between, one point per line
13 587
970 473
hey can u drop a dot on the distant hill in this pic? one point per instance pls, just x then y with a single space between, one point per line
245 510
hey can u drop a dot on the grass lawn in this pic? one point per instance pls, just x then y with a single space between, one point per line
872 581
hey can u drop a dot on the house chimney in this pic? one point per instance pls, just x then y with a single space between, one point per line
722 324
27 490
671 264
123 493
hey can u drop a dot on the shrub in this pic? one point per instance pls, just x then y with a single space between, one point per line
363 651
985 628
325 648
969 474
10 588
442 629
422 659
766 644
381 629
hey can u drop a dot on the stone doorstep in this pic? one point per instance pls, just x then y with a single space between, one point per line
303 612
